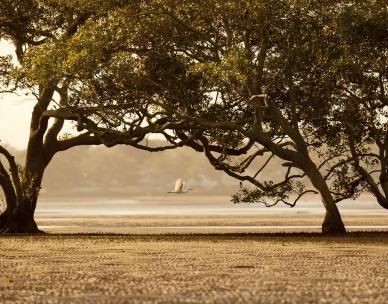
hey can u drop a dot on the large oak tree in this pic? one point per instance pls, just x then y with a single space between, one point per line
359 73
51 62
232 77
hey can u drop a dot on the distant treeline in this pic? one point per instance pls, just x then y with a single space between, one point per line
124 171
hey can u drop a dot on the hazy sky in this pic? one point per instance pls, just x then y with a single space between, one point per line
15 113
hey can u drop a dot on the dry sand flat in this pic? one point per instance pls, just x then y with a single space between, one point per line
194 269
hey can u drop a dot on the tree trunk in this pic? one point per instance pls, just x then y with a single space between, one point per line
20 221
332 224
19 215
3 218
22 198
23 219
382 199
17 218
10 199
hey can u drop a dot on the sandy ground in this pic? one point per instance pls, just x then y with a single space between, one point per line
194 269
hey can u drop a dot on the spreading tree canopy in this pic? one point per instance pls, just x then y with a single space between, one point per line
244 82
51 41
359 72
226 78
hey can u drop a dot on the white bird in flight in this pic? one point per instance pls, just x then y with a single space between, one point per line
179 187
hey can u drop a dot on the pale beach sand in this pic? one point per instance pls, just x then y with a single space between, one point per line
176 251
194 269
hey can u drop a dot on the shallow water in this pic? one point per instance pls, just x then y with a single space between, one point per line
193 214
189 206
206 229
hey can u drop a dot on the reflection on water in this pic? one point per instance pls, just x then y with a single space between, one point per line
188 206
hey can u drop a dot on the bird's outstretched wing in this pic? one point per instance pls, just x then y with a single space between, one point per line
178 185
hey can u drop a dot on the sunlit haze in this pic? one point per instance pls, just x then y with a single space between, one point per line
15 111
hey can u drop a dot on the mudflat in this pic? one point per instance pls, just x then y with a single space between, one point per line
178 268
206 224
